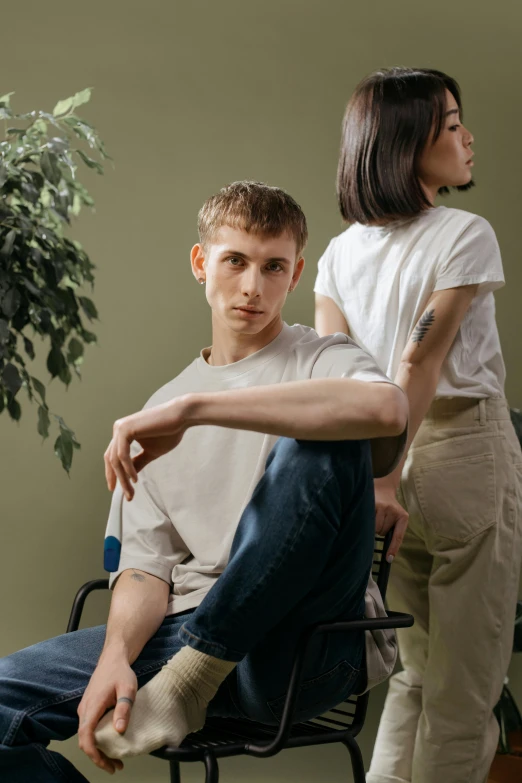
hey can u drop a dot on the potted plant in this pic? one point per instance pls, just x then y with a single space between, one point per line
42 269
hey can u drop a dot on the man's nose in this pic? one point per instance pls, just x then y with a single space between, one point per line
251 284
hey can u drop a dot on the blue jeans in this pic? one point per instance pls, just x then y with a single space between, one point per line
302 554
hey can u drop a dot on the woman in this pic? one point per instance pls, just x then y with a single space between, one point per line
413 284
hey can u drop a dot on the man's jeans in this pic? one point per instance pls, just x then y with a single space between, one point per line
302 554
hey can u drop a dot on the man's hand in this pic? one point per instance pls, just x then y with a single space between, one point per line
389 513
112 683
158 430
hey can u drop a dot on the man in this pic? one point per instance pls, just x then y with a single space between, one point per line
244 512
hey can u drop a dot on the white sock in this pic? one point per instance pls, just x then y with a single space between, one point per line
170 706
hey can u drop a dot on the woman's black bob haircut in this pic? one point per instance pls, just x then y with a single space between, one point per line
387 123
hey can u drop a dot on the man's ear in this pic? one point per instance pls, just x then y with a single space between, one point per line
197 262
298 271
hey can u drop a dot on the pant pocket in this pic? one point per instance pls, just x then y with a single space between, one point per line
457 497
321 693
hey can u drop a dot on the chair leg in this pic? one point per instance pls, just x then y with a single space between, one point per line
359 775
175 772
211 767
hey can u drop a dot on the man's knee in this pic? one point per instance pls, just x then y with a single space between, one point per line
347 462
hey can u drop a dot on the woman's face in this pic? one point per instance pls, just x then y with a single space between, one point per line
448 161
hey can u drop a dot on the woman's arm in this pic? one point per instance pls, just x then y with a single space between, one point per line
328 318
424 355
418 375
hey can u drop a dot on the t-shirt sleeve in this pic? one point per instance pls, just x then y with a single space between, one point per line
325 281
140 534
347 360
474 258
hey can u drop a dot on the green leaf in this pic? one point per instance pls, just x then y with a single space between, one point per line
88 337
75 352
56 362
11 378
63 107
50 167
14 409
10 302
39 127
40 389
92 164
7 247
43 421
2 402
57 145
89 308
63 448
65 375
69 104
5 100
29 347
49 117
4 331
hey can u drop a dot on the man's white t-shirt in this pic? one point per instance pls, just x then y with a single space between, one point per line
187 504
381 278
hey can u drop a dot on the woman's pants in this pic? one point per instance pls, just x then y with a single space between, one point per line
302 554
457 573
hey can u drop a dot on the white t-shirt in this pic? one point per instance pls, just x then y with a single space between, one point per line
381 278
187 504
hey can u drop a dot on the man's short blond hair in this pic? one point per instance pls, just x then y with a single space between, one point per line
255 208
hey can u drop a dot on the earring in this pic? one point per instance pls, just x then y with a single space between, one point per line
201 280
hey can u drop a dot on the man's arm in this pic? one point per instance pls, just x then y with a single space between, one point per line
138 607
316 409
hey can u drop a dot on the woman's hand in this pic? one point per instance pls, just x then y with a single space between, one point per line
389 513
158 430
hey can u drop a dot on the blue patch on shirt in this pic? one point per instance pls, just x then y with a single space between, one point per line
111 554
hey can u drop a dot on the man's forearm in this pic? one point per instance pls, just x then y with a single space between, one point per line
322 409
138 607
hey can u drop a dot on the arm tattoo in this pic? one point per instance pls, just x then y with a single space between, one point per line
137 577
423 326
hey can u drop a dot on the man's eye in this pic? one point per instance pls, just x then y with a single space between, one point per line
275 267
234 261
454 128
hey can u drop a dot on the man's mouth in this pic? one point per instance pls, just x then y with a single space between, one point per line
248 310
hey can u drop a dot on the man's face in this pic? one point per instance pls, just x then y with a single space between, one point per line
248 277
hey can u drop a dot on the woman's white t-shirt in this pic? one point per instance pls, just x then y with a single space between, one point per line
381 278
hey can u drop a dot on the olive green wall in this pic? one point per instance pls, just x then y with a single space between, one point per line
189 96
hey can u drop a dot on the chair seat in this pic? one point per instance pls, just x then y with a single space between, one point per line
231 736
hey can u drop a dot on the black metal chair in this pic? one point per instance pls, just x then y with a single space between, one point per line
222 737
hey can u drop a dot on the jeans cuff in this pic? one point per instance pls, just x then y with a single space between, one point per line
210 648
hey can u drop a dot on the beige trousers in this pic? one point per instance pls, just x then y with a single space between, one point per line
457 573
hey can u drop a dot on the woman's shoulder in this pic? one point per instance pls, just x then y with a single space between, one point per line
460 220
